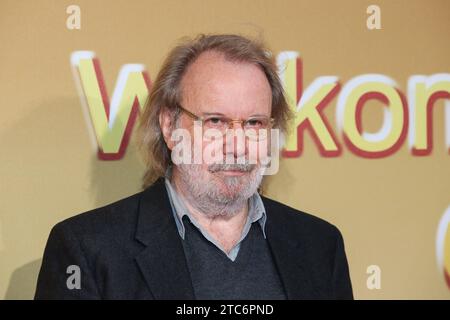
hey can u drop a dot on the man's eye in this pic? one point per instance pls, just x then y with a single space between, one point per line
256 123
214 120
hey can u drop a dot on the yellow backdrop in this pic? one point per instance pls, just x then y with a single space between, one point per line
388 208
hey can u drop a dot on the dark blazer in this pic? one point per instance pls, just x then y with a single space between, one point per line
131 249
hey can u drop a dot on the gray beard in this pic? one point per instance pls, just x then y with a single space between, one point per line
212 199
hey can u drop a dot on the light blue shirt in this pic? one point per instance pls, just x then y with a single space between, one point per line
256 212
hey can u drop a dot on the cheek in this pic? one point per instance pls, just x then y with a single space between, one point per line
258 150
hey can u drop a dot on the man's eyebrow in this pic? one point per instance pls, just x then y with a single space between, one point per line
213 114
221 114
258 115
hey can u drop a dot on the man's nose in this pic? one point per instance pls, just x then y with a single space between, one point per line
235 142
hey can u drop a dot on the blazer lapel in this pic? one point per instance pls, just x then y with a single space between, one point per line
288 254
162 263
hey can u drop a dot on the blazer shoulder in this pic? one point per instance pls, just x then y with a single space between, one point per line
114 218
299 220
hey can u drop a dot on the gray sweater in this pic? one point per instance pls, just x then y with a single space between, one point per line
252 275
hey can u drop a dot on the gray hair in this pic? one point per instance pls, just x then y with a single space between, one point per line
165 93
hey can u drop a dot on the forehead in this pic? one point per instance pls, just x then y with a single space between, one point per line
213 84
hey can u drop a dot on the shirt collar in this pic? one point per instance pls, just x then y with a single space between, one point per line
256 209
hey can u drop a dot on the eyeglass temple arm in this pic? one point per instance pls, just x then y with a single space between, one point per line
192 115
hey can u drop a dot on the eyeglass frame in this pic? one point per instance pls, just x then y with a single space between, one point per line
230 122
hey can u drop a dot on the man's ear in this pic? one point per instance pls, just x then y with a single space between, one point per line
166 124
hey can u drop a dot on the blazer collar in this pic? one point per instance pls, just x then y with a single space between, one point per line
162 263
289 254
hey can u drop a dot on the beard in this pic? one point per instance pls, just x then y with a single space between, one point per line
216 194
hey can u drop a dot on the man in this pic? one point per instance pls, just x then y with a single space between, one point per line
200 229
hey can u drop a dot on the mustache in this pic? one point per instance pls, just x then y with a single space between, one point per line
246 167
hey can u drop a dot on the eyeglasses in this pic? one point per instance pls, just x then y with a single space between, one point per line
255 128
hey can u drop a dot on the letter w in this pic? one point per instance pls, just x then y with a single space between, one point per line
112 123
